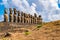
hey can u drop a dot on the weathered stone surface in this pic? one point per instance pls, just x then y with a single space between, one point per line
5 16
10 15
22 17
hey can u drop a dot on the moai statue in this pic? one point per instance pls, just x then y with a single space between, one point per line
27 18
15 15
10 15
22 17
31 19
39 20
18 20
35 18
5 16
22 14
35 15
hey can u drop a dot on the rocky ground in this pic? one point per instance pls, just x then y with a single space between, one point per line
49 31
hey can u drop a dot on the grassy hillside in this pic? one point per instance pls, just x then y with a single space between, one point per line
47 31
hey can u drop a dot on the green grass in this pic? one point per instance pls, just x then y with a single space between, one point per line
27 32
39 26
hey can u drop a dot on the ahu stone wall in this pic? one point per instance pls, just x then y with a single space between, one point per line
15 16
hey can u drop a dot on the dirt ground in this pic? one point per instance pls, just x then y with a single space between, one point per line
49 31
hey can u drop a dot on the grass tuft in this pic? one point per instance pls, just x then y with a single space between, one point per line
27 32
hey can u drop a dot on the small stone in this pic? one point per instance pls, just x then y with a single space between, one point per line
6 34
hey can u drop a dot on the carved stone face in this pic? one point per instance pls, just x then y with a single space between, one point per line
22 17
14 10
39 15
35 15
18 13
5 11
22 14
5 17
31 16
10 9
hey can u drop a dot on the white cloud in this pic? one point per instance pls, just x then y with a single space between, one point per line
54 3
25 3
33 9
34 4
4 1
21 5
49 11
48 8
47 3
54 17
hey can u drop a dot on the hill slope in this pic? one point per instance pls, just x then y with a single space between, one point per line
49 31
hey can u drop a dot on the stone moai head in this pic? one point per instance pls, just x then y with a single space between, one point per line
18 13
14 10
29 15
5 11
10 9
5 16
22 14
25 15
35 15
39 16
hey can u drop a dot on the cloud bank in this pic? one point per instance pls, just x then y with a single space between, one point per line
21 5
47 8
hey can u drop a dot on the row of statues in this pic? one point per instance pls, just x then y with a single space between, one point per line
21 17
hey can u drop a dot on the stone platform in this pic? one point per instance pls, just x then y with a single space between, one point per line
5 26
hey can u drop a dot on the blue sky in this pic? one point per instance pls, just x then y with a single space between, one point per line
49 9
